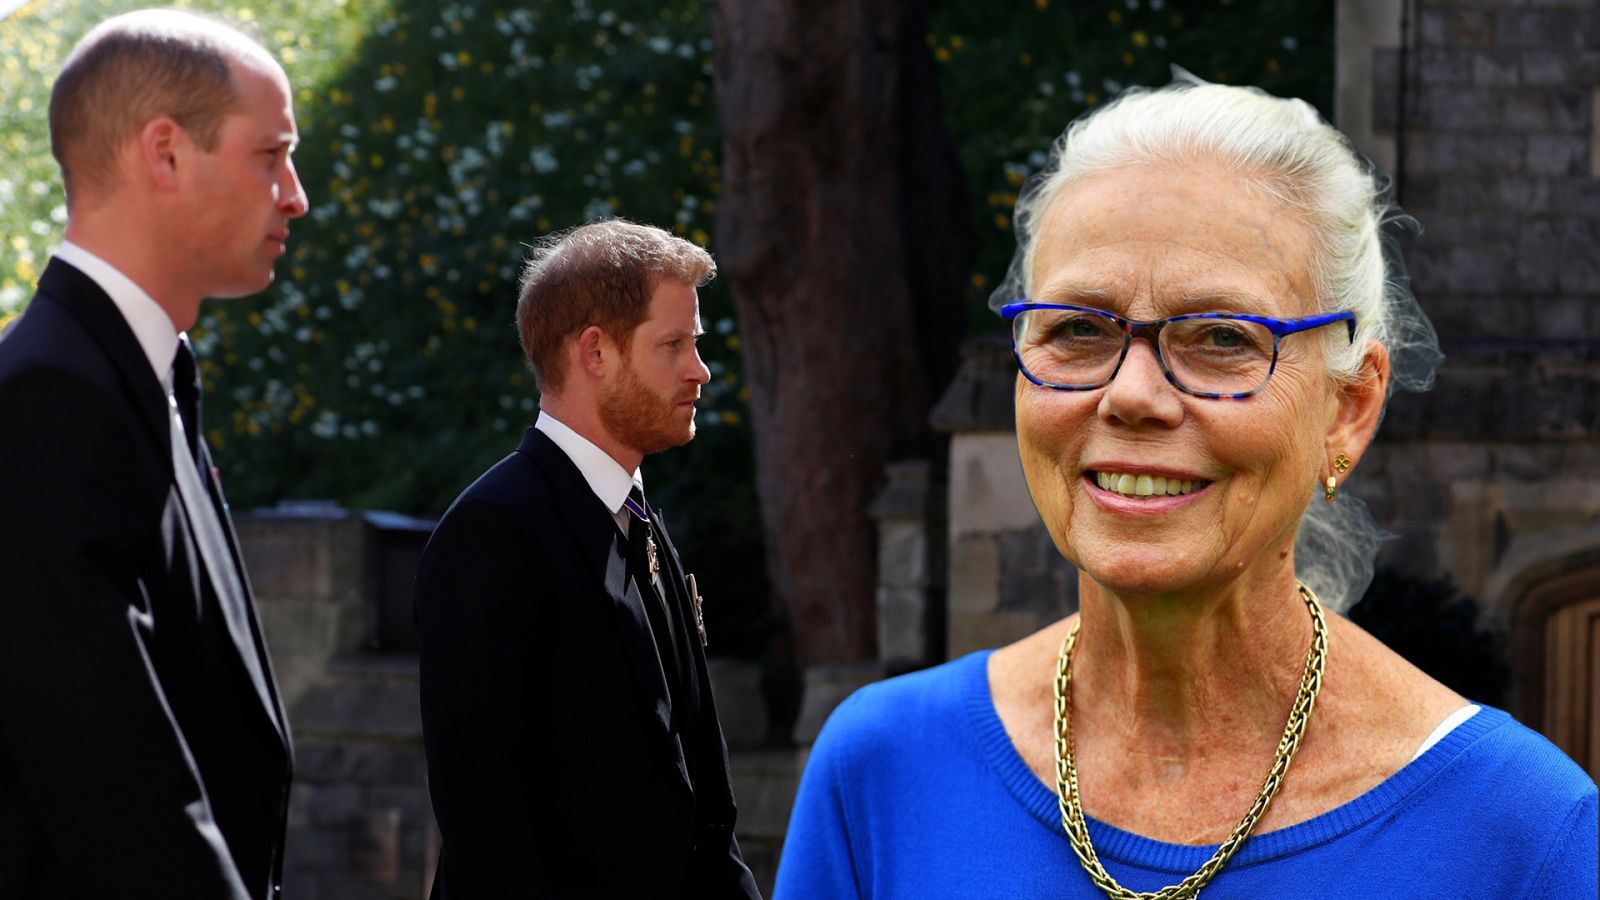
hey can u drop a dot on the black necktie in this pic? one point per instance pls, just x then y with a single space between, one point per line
186 389
641 535
202 505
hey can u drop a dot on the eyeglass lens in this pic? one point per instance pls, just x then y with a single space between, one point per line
1075 348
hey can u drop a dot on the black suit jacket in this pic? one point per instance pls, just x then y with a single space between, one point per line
140 757
558 762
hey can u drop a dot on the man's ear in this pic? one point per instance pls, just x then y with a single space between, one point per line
595 351
1360 407
156 151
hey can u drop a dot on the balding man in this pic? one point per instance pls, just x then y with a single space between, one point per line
144 752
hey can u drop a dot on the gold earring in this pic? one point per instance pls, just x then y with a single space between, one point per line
1341 463
1330 491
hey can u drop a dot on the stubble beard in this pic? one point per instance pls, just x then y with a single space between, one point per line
642 419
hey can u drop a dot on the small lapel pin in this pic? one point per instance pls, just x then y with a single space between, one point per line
699 613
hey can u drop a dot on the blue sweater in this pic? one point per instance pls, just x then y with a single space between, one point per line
914 791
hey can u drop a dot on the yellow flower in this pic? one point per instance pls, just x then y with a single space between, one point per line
1140 39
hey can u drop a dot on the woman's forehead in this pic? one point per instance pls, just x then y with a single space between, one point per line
1179 238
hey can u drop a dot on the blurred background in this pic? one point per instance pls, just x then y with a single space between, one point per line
853 501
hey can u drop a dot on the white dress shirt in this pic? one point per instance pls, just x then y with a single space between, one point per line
606 477
151 325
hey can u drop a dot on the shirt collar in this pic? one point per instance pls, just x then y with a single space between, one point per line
606 477
151 325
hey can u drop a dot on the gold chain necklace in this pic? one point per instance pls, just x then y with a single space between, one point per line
1067 770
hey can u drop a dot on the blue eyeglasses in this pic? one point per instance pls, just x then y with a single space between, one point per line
1218 356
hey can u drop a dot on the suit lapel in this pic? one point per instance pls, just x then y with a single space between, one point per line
685 632
247 634
80 296
601 546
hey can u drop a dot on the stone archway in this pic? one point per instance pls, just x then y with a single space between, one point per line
1555 649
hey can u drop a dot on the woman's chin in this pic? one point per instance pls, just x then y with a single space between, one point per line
1145 574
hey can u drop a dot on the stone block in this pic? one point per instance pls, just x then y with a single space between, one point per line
1563 318
330 760
903 620
1573 110
1485 227
970 632
313 849
332 805
903 553
1577 196
988 491
974 574
1491 68
826 686
1579 270
409 801
1543 30
1529 110
764 784
1438 65
364 708
315 554
1461 108
1545 67
741 705
373 845
1454 27
1494 154
1467 270
1034 578
1558 154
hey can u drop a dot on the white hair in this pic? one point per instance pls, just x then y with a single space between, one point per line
1282 149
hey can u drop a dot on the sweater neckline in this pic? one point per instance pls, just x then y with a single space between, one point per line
1128 848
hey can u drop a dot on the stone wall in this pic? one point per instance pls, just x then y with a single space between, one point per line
331 594
1499 149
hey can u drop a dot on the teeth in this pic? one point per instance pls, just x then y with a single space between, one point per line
1145 485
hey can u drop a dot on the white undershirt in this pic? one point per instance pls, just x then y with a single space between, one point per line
1450 723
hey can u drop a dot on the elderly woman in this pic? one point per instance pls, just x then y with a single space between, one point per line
1204 331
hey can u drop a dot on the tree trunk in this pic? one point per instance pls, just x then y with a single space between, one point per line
842 228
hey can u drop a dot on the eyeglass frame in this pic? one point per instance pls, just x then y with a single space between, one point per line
1132 328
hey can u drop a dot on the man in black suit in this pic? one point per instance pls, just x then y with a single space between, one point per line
573 745
144 751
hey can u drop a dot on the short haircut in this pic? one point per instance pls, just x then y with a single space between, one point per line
132 69
604 274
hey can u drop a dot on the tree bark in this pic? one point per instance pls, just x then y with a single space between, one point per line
842 228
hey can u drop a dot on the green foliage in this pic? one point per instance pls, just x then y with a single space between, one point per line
1013 75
